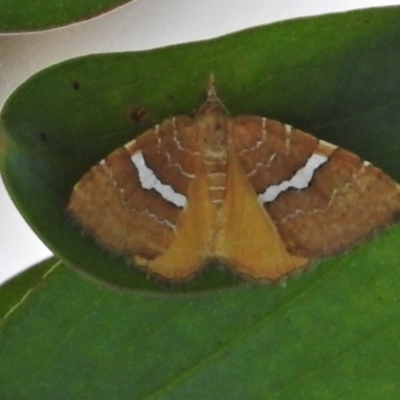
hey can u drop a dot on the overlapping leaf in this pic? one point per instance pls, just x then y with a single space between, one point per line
32 15
329 334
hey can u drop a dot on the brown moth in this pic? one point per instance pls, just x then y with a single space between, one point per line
259 195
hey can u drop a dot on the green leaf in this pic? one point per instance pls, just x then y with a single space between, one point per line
335 76
17 289
330 334
32 15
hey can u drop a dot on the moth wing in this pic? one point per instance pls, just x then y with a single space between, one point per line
247 237
190 246
323 199
134 201
346 201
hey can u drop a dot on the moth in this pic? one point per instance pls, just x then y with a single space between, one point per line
257 194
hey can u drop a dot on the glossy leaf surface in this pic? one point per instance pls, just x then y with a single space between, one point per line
335 76
330 334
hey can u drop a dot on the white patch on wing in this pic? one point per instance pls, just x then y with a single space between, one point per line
149 181
288 130
300 180
327 144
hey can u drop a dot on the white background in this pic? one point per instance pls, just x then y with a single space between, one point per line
141 24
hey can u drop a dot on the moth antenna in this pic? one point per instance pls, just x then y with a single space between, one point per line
212 96
213 101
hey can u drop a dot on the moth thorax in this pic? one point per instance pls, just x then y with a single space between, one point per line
212 134
215 147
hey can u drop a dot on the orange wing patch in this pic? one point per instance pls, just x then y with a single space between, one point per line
247 238
261 196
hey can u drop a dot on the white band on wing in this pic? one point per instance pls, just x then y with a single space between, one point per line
149 181
300 180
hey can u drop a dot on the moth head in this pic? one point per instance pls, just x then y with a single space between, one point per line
211 121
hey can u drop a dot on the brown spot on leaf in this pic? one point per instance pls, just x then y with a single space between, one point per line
137 114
